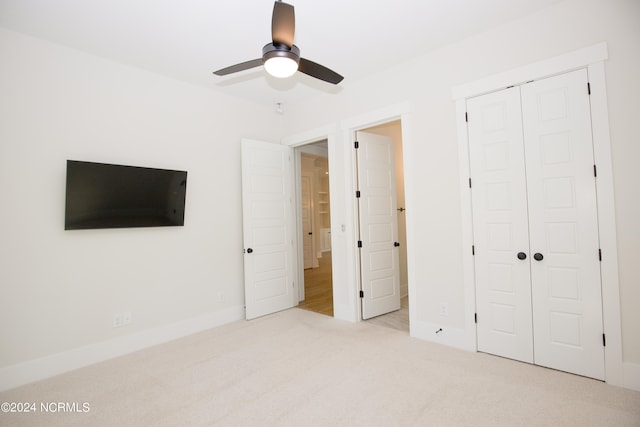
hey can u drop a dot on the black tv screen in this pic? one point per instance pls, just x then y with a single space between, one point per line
102 195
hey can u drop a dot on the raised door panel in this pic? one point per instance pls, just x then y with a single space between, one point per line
566 292
503 290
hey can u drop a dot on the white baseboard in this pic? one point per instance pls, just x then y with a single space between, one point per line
452 337
631 375
55 364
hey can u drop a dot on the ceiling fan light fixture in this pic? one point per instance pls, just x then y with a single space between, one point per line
280 61
281 66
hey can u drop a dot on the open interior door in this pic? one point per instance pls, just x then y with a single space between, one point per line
308 251
378 225
268 218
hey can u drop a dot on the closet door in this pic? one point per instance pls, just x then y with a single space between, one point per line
563 224
500 224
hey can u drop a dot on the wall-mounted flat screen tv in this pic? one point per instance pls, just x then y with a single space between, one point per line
102 195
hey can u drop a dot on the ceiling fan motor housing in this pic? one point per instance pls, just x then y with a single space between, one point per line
274 50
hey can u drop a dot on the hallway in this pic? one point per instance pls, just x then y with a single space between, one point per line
318 291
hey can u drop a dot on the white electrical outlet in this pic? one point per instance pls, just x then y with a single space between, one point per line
121 319
117 320
444 309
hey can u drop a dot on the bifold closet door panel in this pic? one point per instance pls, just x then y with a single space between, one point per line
503 286
565 275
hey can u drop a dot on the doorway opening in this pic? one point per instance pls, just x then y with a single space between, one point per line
314 227
397 319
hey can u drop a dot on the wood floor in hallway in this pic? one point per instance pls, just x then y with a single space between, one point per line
318 292
318 288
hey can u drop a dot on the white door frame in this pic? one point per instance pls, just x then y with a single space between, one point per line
346 301
349 128
330 134
592 58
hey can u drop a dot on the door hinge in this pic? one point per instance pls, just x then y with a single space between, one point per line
600 254
469 182
604 340
359 243
356 144
595 171
361 294
588 88
475 317
357 194
473 249
466 117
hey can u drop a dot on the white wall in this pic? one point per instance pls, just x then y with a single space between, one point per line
60 288
426 85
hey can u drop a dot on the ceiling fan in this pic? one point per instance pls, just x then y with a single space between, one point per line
281 58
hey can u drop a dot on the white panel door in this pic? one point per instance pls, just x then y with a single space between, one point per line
503 286
565 267
378 225
267 214
307 222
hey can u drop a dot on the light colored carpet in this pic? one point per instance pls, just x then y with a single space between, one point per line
299 368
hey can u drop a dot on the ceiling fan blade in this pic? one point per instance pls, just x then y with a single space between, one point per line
319 71
283 23
239 67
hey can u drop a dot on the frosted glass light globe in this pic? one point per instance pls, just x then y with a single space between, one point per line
281 66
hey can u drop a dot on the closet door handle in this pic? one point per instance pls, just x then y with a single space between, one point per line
249 251
538 256
522 255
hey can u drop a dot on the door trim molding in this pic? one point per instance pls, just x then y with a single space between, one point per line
342 303
592 58
349 127
570 61
346 301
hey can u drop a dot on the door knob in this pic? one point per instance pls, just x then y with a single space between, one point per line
310 233
522 255
538 256
396 244
249 251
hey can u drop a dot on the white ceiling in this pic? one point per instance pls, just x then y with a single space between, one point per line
189 39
